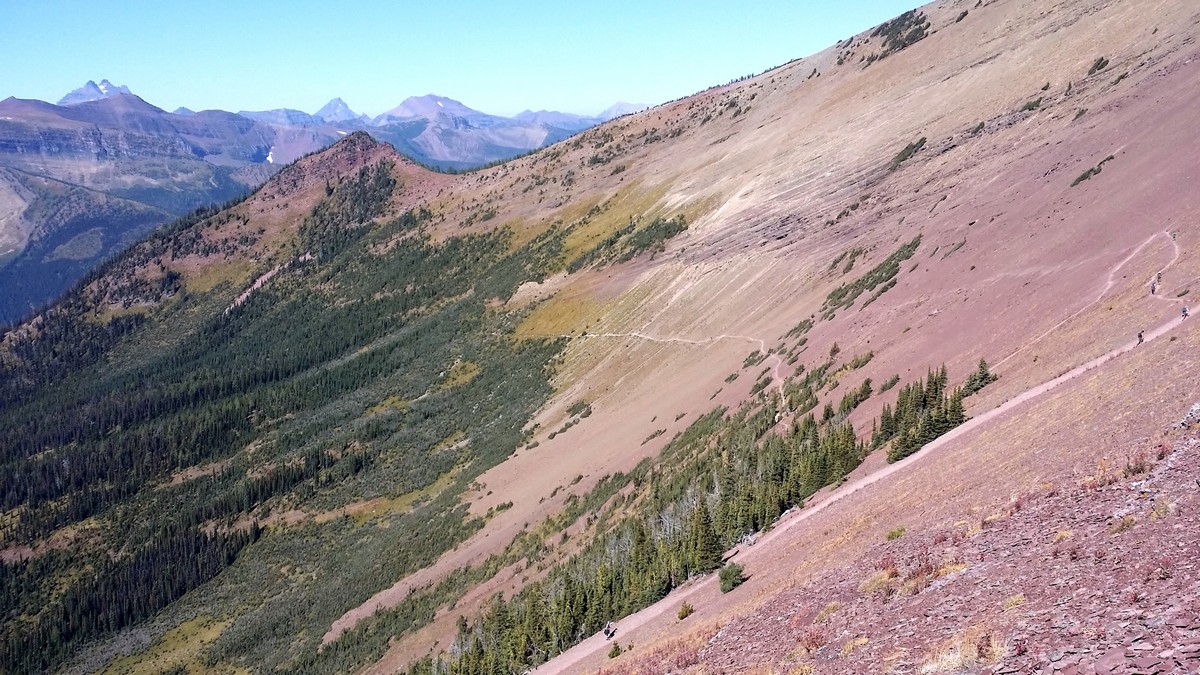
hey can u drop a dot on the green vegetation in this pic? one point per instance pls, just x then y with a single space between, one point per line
724 478
1032 105
1079 113
899 33
891 382
1094 171
892 535
954 249
978 128
731 576
629 242
849 255
979 379
685 610
882 274
579 409
800 328
908 151
281 395
923 412
1098 65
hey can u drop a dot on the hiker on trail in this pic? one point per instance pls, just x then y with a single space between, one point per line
1140 340
609 631
1184 312
1154 289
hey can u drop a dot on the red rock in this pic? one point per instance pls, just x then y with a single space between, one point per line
1111 660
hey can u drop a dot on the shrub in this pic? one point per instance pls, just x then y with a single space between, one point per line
1136 464
1099 65
1095 170
1122 525
908 151
813 638
686 610
615 651
732 576
896 533
828 611
1032 105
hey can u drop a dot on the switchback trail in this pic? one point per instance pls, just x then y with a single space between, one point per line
1112 280
571 657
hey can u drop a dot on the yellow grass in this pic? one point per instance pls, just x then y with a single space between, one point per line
949 568
828 611
878 581
393 402
405 502
564 313
972 648
460 373
180 647
1122 525
630 202
236 271
1014 601
106 313
850 645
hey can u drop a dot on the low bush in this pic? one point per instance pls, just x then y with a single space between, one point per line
732 576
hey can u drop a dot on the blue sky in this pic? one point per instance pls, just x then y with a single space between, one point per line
498 57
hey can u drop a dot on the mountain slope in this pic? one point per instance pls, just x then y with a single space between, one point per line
547 394
133 152
63 231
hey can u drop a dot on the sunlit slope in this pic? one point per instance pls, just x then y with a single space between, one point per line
371 396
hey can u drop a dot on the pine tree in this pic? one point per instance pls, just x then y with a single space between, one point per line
706 551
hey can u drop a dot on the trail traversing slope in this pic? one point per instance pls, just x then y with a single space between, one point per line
1112 280
776 374
763 548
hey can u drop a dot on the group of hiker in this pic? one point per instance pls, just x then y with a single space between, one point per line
1154 291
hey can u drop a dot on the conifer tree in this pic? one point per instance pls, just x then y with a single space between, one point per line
706 551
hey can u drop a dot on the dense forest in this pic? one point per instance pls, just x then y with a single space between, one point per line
335 375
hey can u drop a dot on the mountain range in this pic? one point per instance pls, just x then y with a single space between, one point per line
129 166
876 362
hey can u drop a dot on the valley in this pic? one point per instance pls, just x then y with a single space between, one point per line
865 324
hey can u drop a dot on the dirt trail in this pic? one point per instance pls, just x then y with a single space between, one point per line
762 347
762 549
1112 280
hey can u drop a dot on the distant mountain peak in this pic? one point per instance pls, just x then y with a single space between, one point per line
93 92
337 111
621 108
430 106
